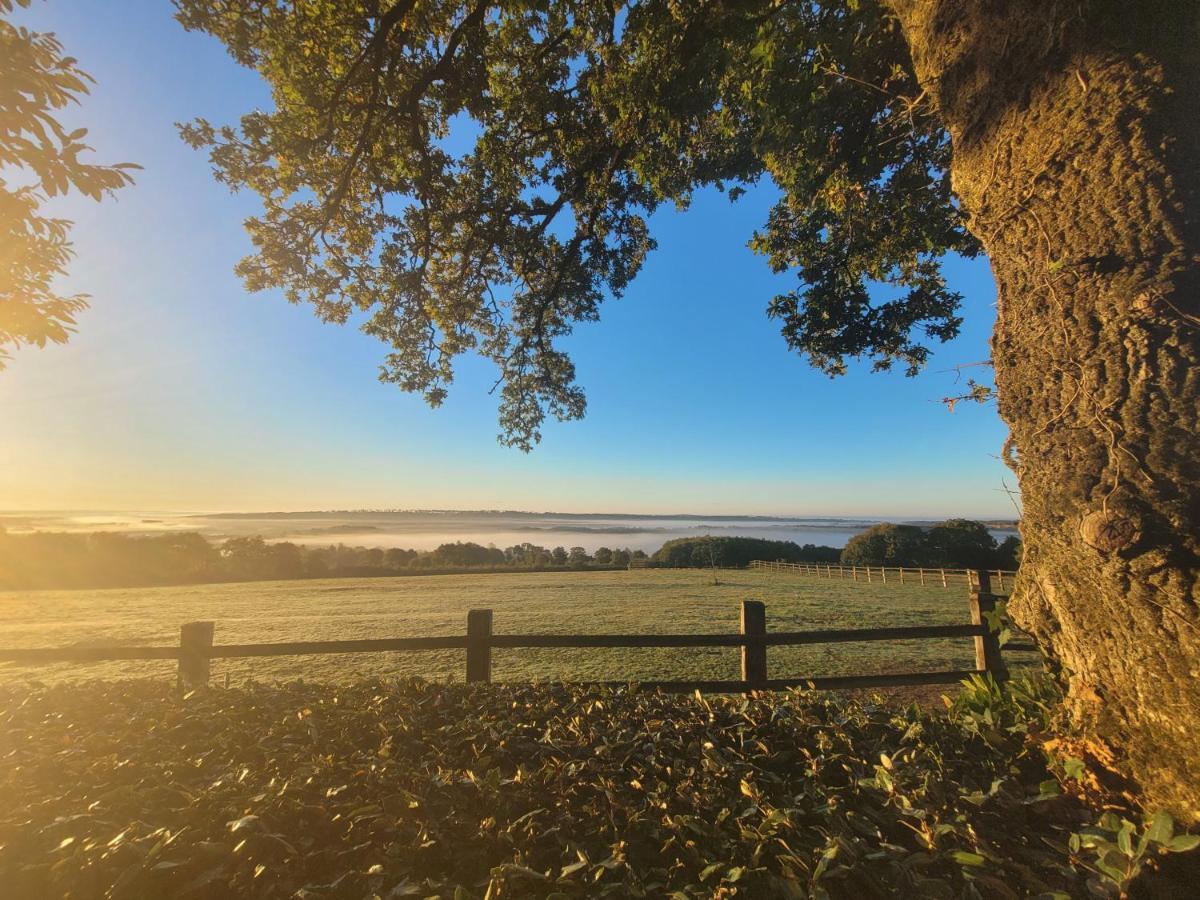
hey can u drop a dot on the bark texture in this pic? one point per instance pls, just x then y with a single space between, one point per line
1076 136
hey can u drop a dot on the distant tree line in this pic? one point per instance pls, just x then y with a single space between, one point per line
101 559
736 552
63 560
953 544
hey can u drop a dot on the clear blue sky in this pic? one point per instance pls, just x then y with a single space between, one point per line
181 391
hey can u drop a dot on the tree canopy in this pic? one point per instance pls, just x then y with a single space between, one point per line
39 160
955 543
708 551
462 177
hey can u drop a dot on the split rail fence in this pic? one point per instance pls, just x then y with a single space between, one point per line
196 649
890 574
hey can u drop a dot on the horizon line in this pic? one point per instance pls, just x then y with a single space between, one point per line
490 511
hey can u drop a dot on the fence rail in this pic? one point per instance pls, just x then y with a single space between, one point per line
896 574
196 649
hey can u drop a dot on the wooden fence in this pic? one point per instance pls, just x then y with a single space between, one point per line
890 574
196 649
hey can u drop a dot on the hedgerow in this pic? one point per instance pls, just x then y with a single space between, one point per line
408 788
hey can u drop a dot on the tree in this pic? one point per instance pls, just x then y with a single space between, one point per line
466 553
284 560
886 544
1059 139
1008 554
706 552
246 558
962 543
603 556
398 558
36 82
559 556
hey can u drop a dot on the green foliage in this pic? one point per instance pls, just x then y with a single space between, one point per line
1009 553
39 160
49 560
1004 715
466 553
966 542
955 543
476 177
1010 718
886 544
1119 850
404 788
736 552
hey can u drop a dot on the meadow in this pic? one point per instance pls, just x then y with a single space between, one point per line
632 602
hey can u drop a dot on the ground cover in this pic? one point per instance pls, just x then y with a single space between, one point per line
412 789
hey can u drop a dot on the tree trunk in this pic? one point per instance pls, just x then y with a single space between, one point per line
1076 135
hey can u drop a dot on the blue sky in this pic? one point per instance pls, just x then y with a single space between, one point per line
181 391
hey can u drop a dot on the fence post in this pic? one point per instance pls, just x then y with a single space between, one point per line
754 651
922 571
195 640
943 571
987 646
479 647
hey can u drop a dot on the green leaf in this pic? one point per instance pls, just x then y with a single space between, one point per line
964 858
1183 842
1161 828
1075 768
884 778
1049 788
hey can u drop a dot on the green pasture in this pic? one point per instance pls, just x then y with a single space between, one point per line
639 601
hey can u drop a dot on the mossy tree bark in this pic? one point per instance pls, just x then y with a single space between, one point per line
1076 136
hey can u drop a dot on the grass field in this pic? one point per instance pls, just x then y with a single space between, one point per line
640 601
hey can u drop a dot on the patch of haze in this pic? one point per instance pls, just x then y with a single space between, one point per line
427 530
